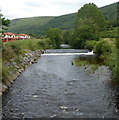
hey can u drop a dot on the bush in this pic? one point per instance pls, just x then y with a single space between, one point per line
112 33
90 44
102 47
45 43
42 44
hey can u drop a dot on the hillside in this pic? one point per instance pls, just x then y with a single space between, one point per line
29 25
110 13
64 22
38 25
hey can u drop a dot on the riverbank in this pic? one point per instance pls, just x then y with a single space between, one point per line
16 56
107 51
12 69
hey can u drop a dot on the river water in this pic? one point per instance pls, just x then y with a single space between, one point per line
53 87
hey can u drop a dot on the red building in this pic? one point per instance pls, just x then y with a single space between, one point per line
6 37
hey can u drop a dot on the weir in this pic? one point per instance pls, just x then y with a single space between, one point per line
67 52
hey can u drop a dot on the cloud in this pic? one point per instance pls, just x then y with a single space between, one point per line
27 8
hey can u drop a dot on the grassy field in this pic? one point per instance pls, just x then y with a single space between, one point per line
32 44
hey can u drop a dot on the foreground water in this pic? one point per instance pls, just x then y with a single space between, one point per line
53 87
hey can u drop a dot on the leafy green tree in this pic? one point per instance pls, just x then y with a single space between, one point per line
55 35
90 15
90 44
67 36
4 23
89 22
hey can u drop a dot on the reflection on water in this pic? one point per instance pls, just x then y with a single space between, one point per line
64 46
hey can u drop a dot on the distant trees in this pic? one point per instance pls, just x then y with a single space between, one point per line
55 35
89 22
90 15
67 36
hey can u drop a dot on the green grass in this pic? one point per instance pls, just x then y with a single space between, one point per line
11 52
79 62
15 48
31 44
86 63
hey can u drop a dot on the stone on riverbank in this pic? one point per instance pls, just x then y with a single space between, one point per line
16 66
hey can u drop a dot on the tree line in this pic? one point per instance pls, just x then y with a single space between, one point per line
89 23
93 32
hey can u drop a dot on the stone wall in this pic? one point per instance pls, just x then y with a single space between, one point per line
18 65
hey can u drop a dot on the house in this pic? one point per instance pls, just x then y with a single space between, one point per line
11 37
23 36
8 37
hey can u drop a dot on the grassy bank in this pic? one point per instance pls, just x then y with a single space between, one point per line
17 55
15 48
107 51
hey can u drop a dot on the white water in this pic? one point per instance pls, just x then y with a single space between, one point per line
87 53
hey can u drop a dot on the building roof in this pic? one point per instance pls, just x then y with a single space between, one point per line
22 34
8 33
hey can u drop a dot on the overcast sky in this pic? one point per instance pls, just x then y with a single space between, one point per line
12 9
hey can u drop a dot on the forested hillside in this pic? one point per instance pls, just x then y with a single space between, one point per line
64 22
29 25
38 25
110 13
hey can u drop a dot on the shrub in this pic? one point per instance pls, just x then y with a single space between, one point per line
42 44
102 47
45 44
90 44
112 33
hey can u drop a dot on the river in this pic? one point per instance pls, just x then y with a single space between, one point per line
53 87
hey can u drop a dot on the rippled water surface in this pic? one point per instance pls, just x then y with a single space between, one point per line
53 87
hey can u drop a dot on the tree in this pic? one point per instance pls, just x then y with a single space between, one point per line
90 14
67 36
55 35
4 22
89 22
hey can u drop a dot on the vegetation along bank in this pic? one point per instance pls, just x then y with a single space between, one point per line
16 56
95 33
91 31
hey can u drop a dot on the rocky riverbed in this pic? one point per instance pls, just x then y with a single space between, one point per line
54 88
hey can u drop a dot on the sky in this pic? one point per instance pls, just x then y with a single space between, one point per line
12 9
